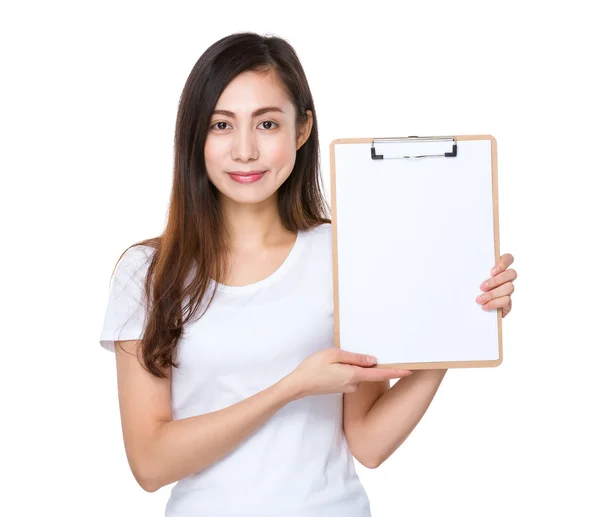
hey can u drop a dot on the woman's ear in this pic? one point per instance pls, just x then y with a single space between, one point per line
304 129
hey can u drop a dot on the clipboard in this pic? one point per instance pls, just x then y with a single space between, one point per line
414 234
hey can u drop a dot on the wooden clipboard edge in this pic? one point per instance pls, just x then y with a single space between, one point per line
416 366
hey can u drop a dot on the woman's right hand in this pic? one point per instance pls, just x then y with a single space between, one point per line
334 370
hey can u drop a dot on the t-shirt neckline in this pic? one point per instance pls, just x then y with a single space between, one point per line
286 264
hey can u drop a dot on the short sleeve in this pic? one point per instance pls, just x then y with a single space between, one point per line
125 313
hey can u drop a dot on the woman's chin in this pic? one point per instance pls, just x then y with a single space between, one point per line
249 195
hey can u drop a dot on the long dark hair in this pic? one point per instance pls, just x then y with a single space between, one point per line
194 233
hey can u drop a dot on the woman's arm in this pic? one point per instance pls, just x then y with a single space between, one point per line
394 415
161 450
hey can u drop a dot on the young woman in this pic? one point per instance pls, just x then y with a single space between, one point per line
223 326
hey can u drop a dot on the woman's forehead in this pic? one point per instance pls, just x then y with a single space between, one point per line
252 91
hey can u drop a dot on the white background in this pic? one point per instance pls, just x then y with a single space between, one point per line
87 113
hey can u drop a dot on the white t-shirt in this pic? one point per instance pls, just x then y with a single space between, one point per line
298 463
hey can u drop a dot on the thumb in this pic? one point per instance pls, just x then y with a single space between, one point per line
343 356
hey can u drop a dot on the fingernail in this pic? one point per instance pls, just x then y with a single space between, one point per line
371 359
494 271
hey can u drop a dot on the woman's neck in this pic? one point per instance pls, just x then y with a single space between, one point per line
252 227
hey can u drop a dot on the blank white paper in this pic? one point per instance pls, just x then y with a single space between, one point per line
415 240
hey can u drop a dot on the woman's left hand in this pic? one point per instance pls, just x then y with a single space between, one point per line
499 288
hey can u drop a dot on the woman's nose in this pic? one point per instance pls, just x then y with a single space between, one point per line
244 145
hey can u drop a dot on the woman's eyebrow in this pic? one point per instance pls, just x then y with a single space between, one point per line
258 112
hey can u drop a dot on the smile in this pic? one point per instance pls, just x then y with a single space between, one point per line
247 177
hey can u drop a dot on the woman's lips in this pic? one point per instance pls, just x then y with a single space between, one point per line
246 177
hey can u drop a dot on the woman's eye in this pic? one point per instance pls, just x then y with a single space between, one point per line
222 126
219 128
269 122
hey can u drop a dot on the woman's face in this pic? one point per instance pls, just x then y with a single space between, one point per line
245 140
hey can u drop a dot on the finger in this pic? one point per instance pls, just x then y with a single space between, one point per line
507 276
503 290
344 356
503 301
378 374
506 310
505 260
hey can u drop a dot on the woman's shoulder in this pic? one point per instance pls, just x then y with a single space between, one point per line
321 228
319 236
137 253
134 260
